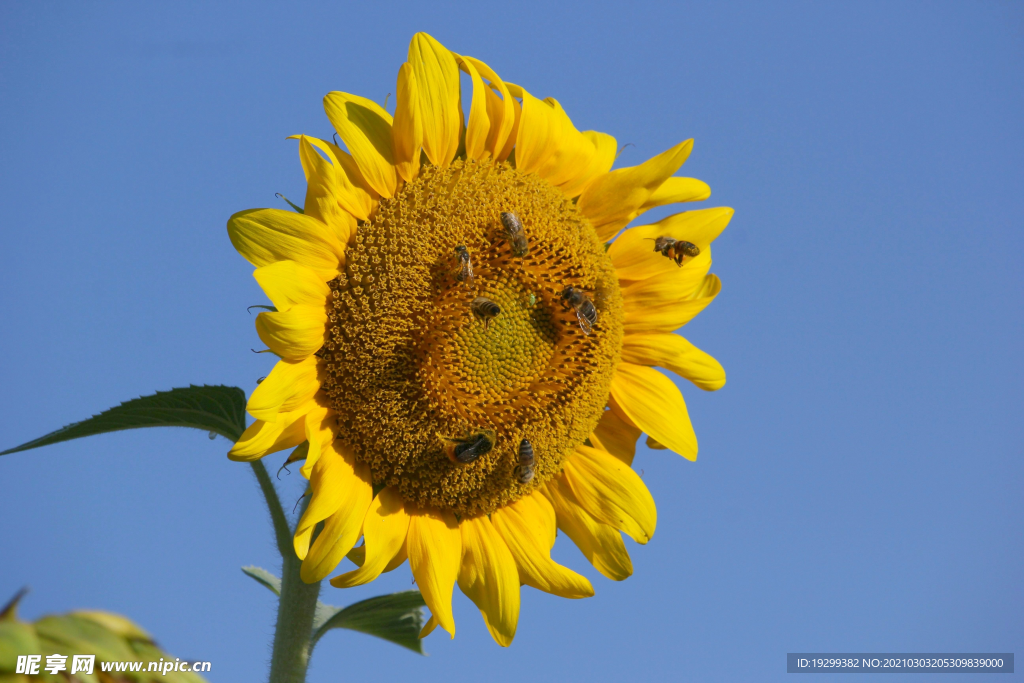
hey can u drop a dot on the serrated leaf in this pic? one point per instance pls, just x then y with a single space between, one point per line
396 617
264 577
216 409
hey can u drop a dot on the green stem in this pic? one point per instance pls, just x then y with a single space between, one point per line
297 604
282 534
294 624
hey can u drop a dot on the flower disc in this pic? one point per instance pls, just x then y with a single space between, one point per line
411 369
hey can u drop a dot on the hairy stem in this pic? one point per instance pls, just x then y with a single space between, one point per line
282 534
294 624
297 604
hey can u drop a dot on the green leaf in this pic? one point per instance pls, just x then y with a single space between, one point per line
266 578
396 617
217 409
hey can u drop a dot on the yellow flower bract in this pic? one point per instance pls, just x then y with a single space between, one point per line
384 365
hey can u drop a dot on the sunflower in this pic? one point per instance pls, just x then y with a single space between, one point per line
466 358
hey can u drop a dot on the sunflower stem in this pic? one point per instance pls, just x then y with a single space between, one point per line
294 628
297 604
282 534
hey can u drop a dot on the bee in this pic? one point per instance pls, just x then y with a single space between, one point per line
524 470
586 312
675 250
485 309
465 451
515 234
465 265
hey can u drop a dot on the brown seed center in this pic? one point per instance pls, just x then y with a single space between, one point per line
415 366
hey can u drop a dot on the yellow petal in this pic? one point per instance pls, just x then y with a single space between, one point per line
611 492
526 525
289 385
541 128
479 124
438 89
336 480
489 578
616 434
633 254
365 128
667 286
324 190
605 148
435 552
674 315
328 483
501 111
674 353
398 560
265 236
654 445
654 404
358 557
601 544
676 190
428 627
320 423
262 438
407 131
287 283
550 146
611 201
513 135
293 334
354 194
590 160
385 530
341 530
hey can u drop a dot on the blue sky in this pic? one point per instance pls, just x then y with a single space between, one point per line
860 475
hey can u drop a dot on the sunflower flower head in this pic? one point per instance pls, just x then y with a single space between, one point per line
467 358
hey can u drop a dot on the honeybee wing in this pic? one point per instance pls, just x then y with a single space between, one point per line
584 323
464 273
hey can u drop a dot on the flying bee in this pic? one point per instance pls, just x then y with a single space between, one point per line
515 234
524 470
485 309
675 250
586 312
465 451
465 265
